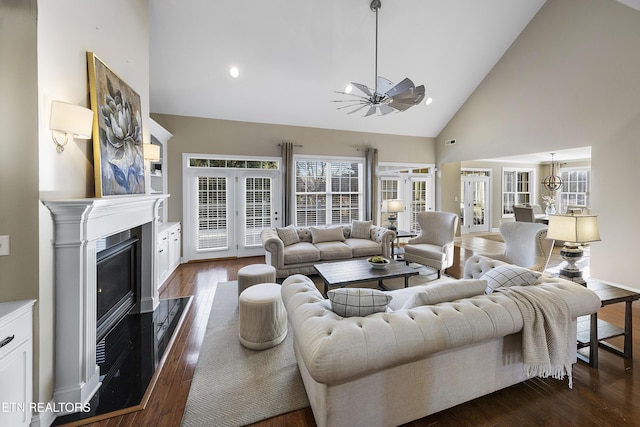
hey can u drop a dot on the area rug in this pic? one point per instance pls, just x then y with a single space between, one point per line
235 386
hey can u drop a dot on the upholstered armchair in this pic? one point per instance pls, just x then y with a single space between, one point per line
434 246
526 245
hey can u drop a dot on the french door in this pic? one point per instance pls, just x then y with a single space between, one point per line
474 203
227 210
416 191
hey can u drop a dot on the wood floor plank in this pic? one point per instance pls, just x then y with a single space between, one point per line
607 396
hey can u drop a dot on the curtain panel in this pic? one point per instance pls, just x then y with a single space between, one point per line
288 193
370 183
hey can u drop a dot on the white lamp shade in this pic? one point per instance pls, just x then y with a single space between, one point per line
395 205
151 152
71 119
573 228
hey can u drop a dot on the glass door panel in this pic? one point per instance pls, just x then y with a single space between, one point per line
212 214
475 203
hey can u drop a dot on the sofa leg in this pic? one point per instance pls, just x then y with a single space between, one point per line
439 271
406 262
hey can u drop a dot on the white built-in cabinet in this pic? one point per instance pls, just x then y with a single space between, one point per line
168 246
16 362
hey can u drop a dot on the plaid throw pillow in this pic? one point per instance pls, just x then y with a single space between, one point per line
361 229
509 275
288 235
347 302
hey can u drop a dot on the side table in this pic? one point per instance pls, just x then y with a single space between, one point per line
399 235
592 332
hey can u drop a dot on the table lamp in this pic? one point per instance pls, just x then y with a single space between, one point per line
392 207
574 230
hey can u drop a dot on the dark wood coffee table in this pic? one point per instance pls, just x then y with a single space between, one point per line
344 273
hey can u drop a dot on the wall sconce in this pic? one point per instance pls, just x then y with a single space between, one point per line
151 152
71 120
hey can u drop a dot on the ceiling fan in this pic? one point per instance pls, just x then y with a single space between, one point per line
385 97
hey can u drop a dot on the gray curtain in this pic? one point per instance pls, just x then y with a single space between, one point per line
288 174
370 183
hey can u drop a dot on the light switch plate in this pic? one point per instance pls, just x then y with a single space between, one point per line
4 245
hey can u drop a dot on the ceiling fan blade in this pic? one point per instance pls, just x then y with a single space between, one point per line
408 99
384 85
357 109
372 110
385 109
401 87
350 105
363 88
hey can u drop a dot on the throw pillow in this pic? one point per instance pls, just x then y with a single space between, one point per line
331 234
447 291
361 229
347 302
509 275
288 235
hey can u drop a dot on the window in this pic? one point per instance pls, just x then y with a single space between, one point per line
328 191
575 188
517 188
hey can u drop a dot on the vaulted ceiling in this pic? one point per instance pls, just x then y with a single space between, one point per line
294 54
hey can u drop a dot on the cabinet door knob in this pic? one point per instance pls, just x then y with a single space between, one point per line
6 341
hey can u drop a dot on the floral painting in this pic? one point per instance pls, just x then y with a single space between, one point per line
117 139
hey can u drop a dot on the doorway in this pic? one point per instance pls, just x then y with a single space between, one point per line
411 183
226 208
475 200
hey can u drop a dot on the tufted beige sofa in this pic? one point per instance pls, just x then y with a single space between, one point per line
390 368
299 258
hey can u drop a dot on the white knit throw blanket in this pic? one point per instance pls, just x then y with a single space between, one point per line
546 332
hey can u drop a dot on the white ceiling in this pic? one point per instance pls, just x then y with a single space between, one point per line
293 55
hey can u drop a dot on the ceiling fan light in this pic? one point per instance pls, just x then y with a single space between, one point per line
234 72
428 101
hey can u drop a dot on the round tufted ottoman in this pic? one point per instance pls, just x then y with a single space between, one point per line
263 318
254 274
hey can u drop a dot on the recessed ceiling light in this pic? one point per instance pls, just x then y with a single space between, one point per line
428 101
348 89
234 72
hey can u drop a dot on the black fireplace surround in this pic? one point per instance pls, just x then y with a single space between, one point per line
118 278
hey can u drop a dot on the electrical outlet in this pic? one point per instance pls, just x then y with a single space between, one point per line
4 245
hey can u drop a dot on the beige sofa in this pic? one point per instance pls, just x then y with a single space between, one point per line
299 257
390 368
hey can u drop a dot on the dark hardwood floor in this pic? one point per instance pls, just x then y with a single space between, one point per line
607 396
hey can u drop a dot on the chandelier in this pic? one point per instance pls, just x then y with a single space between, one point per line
385 96
553 182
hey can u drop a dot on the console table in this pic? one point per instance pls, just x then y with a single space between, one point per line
592 332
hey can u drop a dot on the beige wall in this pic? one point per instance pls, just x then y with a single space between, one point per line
570 80
209 136
19 160
43 47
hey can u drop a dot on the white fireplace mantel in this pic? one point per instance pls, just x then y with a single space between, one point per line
79 223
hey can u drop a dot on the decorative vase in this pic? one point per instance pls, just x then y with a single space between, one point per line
551 209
